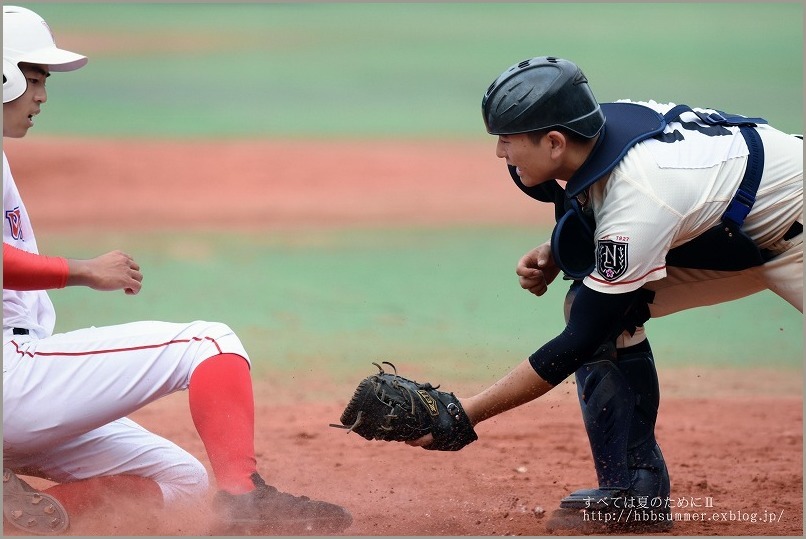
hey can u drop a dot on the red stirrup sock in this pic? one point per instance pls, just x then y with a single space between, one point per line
223 411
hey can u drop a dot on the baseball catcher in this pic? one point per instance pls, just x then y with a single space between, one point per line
391 408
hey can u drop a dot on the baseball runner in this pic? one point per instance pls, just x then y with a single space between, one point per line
66 396
664 208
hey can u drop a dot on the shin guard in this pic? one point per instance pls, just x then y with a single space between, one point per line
619 396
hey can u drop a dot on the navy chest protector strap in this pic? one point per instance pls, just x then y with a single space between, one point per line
724 247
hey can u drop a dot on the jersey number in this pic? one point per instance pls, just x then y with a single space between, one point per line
707 130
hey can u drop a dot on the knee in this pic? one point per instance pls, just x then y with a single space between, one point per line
214 338
211 331
183 482
600 384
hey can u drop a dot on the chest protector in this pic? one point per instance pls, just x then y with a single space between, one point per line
724 247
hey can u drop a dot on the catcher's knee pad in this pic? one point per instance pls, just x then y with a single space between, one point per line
619 397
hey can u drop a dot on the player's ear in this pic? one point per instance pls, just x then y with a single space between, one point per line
557 143
556 139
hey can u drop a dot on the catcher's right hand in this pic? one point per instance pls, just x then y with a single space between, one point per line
392 408
536 270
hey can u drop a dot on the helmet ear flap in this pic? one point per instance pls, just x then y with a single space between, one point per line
14 84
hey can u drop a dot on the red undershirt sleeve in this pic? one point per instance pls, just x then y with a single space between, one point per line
28 271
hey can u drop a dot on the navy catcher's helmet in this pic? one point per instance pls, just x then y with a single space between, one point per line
541 93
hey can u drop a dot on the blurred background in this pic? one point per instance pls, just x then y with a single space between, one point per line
441 300
404 69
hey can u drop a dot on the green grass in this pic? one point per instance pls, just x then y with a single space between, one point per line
447 299
443 301
402 70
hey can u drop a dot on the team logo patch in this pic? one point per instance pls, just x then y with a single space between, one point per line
429 401
15 222
611 259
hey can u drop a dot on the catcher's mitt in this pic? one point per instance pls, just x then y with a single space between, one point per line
392 408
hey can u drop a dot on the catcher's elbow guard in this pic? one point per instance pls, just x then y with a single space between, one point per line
392 408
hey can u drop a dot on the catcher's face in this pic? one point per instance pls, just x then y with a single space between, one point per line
535 161
18 115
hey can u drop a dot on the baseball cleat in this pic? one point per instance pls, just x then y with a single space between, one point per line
266 510
29 510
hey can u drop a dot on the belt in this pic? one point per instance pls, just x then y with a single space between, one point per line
20 331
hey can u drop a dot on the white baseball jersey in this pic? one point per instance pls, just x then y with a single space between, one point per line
66 395
33 309
666 192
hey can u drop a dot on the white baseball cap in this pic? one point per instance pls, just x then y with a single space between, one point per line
27 38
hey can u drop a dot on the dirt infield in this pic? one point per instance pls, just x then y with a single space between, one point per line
733 440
